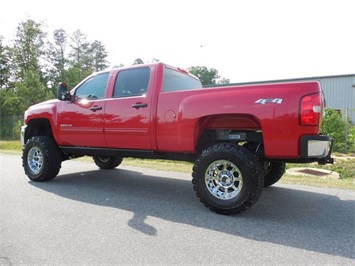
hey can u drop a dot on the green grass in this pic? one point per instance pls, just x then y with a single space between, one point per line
344 165
345 168
316 181
163 165
13 145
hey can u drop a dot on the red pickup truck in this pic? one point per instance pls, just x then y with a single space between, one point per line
239 137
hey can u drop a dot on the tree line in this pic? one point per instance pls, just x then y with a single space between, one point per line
35 61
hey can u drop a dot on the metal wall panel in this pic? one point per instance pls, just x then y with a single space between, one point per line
339 91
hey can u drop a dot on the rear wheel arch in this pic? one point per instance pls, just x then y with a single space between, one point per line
207 129
251 140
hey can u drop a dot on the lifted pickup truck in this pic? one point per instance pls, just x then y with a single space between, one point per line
239 137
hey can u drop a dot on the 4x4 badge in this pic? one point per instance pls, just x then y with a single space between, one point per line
269 100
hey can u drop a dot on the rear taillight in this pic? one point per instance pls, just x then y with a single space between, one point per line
311 110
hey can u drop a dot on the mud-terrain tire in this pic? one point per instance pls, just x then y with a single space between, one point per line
107 162
41 158
273 173
227 178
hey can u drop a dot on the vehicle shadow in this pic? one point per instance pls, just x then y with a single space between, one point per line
285 216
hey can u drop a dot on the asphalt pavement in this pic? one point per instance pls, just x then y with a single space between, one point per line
140 216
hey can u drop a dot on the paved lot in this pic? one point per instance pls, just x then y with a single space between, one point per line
137 216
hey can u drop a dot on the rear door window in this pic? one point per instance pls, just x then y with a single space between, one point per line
132 82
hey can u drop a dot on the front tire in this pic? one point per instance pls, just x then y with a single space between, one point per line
41 159
107 162
227 178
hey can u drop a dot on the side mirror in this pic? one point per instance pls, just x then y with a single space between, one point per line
62 92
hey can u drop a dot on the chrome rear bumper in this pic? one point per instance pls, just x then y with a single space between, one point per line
317 147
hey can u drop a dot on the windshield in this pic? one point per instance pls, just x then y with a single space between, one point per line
178 81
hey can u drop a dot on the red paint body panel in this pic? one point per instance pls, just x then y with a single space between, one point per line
126 127
174 121
279 122
79 126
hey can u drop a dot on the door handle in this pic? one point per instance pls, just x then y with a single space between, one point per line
95 108
139 105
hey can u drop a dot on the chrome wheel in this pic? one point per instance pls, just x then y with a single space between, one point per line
104 159
223 179
35 160
41 158
227 178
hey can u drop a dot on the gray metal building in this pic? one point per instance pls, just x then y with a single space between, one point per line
339 92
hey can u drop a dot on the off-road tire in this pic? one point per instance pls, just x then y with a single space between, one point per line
238 169
274 173
41 158
107 162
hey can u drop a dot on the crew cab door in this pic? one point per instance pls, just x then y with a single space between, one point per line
128 112
81 122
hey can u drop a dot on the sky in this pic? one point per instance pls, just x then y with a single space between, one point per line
245 41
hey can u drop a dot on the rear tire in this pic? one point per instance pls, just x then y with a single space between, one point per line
273 172
41 159
227 178
107 162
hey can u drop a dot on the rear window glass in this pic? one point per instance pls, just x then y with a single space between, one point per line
177 81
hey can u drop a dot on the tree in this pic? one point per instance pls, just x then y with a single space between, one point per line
28 83
72 76
86 57
57 59
28 48
138 61
351 139
26 93
99 55
4 65
4 86
334 126
223 81
207 76
79 54
117 66
57 54
154 60
31 62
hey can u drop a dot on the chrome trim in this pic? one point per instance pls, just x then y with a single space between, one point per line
318 148
22 135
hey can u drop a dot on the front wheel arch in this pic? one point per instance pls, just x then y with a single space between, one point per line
38 127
